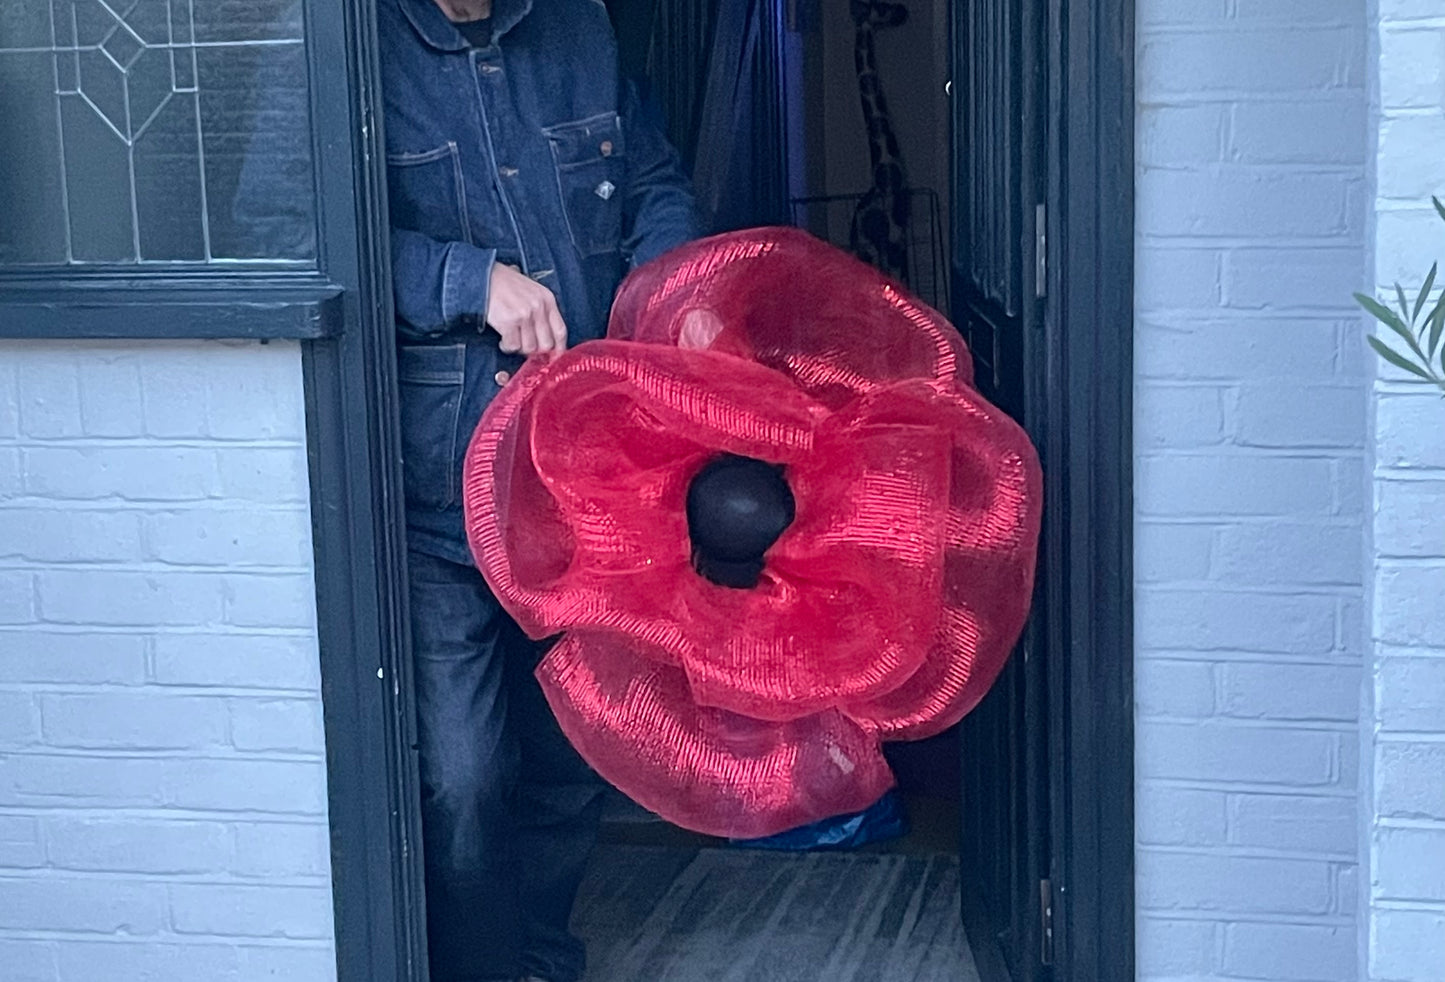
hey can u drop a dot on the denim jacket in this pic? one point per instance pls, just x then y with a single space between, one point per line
529 152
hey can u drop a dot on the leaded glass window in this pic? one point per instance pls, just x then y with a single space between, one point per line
143 132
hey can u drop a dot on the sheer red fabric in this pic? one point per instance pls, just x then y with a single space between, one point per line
884 612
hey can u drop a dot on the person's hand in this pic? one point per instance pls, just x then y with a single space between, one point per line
524 313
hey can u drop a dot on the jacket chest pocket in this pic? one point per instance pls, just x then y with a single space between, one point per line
591 169
426 193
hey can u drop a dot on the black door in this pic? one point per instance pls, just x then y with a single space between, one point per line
1000 171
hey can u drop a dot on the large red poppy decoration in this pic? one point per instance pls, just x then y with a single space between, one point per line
772 520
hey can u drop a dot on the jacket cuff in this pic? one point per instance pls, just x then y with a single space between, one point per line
466 284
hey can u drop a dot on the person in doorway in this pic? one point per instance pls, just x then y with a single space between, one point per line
523 183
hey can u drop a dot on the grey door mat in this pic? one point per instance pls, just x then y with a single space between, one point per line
721 915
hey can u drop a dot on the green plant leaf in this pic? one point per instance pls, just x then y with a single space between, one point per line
1439 207
1387 317
1383 314
1398 360
1379 311
1404 305
1436 324
1424 292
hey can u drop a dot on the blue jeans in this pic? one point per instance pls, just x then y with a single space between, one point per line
509 811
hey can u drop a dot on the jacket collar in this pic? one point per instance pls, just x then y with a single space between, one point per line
439 32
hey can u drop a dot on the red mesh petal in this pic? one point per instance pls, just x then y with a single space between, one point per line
994 513
851 592
835 326
521 542
634 720
579 470
610 397
618 432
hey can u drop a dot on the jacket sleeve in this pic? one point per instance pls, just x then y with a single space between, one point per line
660 210
438 285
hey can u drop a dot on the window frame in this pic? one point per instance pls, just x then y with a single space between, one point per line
256 299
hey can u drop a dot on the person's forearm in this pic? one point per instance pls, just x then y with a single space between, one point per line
438 285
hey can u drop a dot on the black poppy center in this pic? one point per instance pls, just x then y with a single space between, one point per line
737 507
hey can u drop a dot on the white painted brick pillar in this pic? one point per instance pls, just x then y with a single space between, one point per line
1404 741
162 781
1252 218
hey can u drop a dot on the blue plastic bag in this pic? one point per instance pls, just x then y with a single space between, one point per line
886 819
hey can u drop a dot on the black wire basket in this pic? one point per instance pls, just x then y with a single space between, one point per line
830 217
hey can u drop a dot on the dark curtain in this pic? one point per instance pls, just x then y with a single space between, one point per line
710 70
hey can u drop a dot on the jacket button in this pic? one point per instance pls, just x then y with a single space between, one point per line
502 378
606 148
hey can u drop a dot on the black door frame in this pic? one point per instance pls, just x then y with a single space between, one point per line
1090 233
1075 394
353 445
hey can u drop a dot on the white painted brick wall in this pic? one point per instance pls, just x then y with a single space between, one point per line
1253 206
1404 745
162 781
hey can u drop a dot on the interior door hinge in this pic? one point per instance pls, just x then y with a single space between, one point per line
1046 922
1041 251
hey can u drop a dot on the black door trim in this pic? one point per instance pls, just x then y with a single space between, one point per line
358 525
1089 322
1049 875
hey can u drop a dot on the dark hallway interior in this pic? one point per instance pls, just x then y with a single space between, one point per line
675 914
